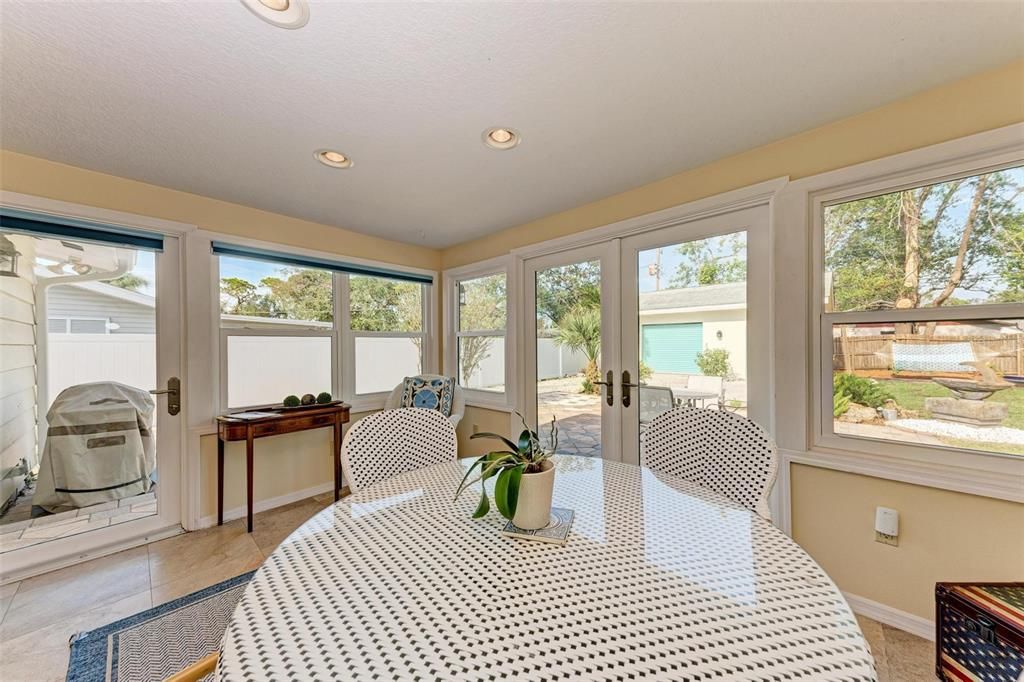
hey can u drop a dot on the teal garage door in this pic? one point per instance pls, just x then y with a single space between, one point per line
672 347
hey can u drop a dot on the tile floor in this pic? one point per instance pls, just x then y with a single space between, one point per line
39 615
19 529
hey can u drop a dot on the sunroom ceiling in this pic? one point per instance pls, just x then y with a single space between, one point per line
206 98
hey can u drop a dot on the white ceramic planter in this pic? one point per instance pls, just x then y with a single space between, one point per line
533 510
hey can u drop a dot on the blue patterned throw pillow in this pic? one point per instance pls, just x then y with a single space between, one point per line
430 394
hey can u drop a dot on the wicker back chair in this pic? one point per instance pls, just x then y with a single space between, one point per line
392 442
716 449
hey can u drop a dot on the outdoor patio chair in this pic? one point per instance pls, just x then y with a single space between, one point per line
653 401
716 449
393 442
699 382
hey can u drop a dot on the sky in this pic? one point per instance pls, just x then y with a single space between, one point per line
670 260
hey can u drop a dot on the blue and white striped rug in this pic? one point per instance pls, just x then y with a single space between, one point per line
155 644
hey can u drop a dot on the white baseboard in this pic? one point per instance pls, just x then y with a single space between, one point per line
901 620
264 505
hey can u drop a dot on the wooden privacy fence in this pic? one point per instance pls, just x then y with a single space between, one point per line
874 354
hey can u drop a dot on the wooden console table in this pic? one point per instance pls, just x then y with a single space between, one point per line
276 422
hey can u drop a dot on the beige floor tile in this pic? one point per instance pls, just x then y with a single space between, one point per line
908 658
875 637
192 561
42 655
6 597
62 594
270 528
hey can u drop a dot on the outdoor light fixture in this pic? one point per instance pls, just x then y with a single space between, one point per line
8 258
718 335
501 138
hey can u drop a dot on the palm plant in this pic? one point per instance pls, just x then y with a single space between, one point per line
527 456
579 330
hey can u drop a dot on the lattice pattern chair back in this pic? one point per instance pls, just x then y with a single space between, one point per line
716 449
392 442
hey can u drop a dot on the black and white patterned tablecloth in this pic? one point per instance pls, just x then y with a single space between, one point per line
659 579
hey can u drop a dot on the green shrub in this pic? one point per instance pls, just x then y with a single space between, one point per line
840 404
859 390
645 372
714 362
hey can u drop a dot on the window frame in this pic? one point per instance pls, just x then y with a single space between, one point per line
377 399
342 337
797 330
453 278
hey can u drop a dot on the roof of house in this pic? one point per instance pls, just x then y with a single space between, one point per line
732 295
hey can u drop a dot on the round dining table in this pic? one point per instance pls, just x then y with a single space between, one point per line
659 579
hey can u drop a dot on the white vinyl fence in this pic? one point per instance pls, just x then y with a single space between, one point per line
552 362
83 358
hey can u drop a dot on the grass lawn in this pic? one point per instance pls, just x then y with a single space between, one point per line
911 395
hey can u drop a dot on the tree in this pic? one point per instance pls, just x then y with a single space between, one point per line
482 305
579 330
242 297
130 281
938 245
716 260
566 288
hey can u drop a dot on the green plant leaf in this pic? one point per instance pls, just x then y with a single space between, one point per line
462 484
487 434
483 507
526 441
506 490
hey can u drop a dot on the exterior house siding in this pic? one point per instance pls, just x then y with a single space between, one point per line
68 301
17 373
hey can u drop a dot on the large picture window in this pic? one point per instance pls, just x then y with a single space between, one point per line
923 314
290 330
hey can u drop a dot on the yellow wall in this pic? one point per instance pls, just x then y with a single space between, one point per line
989 100
944 536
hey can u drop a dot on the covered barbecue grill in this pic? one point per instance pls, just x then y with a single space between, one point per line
99 446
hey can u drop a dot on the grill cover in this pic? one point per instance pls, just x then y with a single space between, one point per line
99 446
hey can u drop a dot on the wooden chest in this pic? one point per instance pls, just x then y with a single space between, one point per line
979 631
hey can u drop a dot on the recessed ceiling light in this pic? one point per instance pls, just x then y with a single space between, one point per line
331 158
283 13
501 138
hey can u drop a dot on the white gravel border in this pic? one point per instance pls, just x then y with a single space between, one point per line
985 434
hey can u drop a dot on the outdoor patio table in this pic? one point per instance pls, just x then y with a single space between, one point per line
660 578
690 396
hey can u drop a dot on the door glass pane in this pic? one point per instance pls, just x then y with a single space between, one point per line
692 326
77 361
568 308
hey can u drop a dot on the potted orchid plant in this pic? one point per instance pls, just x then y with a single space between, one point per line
524 478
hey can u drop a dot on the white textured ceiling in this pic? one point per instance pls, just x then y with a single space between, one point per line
206 98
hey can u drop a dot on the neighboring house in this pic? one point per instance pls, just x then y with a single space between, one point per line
99 308
676 324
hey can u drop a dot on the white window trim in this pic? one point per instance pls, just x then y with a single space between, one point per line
343 338
493 400
800 343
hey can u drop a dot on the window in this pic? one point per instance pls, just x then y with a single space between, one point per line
277 330
386 322
78 325
288 329
922 322
480 333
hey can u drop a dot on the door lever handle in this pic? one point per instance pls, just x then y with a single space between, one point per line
626 385
609 388
173 392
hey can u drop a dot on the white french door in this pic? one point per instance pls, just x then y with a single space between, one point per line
571 348
678 315
695 320
105 471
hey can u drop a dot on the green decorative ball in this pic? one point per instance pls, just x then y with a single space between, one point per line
308 399
292 401
324 398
